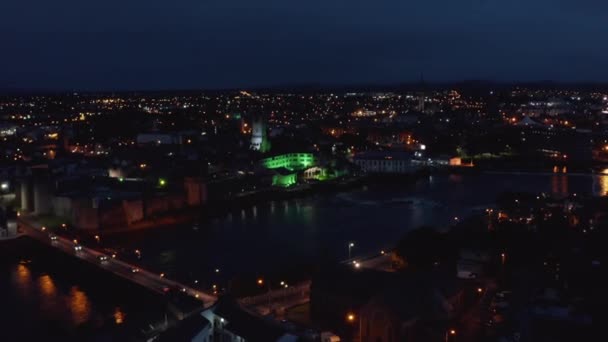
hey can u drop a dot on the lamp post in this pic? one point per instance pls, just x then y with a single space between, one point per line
261 283
350 246
449 333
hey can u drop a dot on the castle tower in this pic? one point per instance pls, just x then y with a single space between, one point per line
259 134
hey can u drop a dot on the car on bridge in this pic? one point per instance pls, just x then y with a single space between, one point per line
53 238
77 248
102 259
134 270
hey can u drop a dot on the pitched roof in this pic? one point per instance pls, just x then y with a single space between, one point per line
185 330
251 327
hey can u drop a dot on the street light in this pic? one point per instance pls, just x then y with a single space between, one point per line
449 333
350 317
261 283
350 246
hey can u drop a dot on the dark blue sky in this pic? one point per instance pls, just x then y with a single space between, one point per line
160 44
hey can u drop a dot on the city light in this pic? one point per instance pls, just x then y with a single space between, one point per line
350 317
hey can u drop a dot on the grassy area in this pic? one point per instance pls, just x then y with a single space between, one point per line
300 315
51 221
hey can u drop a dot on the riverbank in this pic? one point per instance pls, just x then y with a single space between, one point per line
48 294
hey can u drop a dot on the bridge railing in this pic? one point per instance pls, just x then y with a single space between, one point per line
299 290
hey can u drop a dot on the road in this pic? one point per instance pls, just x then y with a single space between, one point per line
279 300
375 261
133 273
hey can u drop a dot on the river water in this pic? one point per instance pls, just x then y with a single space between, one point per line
49 296
44 293
280 235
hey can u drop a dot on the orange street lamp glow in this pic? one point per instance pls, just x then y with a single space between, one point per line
260 281
350 317
452 332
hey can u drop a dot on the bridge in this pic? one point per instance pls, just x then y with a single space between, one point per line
153 281
274 301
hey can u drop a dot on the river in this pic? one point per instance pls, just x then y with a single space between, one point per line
47 295
281 235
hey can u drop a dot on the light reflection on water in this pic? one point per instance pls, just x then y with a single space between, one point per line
47 287
119 316
79 305
277 234
600 183
23 279
49 296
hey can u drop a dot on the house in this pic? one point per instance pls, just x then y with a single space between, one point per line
386 306
338 291
230 322
418 307
195 328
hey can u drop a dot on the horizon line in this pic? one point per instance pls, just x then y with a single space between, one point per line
307 86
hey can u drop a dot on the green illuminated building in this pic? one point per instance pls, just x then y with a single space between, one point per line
290 161
284 180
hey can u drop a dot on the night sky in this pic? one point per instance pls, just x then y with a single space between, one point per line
178 44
